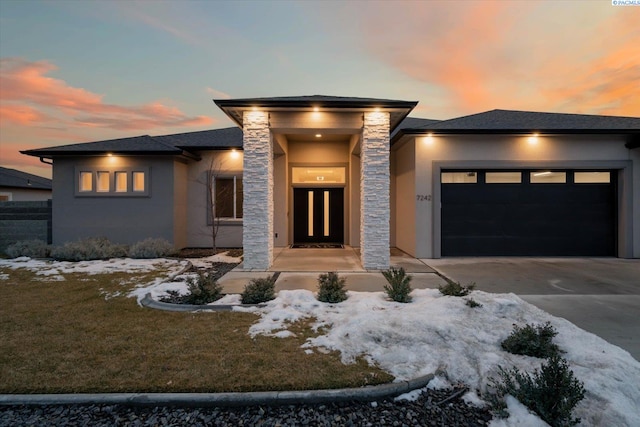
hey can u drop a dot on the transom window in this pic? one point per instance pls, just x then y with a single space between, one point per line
105 183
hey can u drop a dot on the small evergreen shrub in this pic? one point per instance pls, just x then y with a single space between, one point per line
532 340
31 248
399 286
552 392
88 249
259 290
151 248
473 303
203 290
455 289
331 288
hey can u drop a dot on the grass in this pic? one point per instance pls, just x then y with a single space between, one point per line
66 337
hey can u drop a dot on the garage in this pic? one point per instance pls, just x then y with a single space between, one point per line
541 212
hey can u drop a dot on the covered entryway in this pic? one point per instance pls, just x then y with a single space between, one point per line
318 215
528 213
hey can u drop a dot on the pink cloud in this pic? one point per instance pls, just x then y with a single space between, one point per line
479 55
26 88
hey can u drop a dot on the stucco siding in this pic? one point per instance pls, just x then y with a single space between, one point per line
405 198
225 163
180 204
122 219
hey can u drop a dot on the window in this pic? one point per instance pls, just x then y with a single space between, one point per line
138 182
459 177
591 177
228 197
5 197
86 181
102 182
548 177
112 182
503 177
121 182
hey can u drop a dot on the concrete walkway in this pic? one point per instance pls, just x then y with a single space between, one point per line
300 268
599 295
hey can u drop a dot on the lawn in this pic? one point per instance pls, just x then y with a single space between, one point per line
76 332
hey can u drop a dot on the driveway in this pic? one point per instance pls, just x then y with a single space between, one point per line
600 295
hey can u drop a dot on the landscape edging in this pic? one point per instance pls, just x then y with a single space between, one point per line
368 393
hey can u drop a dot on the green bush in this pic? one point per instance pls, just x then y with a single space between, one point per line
331 288
151 248
532 340
89 249
31 248
259 290
203 290
399 286
552 392
473 303
455 289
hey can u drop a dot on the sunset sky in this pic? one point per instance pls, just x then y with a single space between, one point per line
80 71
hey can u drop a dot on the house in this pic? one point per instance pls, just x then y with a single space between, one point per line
18 186
358 171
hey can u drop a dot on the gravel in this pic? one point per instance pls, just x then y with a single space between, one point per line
427 410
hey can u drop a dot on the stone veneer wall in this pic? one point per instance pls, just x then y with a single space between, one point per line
257 233
374 192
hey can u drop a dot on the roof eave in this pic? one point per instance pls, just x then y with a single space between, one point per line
50 154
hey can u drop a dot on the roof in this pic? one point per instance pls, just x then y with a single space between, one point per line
398 109
527 121
206 139
511 122
494 121
18 179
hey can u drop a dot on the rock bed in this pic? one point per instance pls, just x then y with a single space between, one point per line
427 410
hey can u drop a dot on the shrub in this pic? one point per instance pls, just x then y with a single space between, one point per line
151 248
259 290
552 392
331 288
532 340
473 303
89 249
455 289
399 286
203 290
31 248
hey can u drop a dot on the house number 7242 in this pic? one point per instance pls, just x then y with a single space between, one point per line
423 197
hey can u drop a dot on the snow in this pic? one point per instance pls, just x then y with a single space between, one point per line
439 332
207 261
432 333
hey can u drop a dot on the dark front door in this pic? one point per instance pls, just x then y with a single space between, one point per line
318 215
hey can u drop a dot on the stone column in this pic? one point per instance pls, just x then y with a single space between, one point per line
374 191
257 230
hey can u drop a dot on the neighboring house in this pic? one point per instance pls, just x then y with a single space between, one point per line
17 186
358 171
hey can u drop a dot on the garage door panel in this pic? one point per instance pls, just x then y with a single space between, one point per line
559 219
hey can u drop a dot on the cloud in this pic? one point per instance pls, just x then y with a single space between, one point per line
478 55
29 96
217 94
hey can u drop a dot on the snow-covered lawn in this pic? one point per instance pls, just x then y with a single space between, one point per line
440 332
408 340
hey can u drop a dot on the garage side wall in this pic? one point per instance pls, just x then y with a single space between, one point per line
513 152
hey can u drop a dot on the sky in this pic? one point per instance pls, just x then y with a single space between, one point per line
81 71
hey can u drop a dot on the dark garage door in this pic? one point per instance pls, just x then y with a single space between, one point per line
528 213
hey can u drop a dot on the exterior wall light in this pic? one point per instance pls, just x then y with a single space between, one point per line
234 153
318 135
429 138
